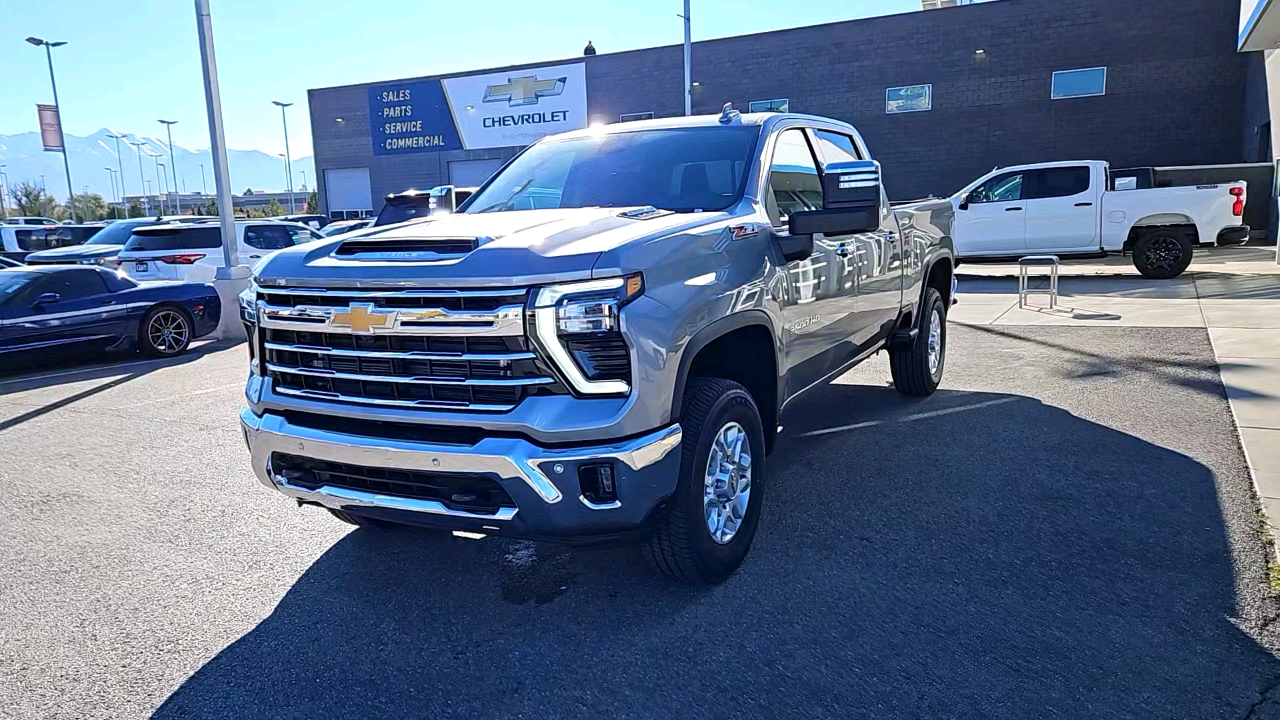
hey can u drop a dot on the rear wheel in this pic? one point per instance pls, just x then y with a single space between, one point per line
1162 254
917 370
711 521
165 331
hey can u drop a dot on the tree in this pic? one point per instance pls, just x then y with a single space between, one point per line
31 199
274 208
135 210
313 203
89 206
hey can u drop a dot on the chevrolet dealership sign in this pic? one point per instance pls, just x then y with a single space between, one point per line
502 109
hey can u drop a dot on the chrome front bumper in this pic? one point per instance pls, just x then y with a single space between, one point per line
538 479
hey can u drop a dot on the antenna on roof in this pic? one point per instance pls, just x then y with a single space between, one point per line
728 114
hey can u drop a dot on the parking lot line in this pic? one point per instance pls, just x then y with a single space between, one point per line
910 418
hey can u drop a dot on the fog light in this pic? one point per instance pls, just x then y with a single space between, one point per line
597 483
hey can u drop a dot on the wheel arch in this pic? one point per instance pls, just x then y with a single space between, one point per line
705 352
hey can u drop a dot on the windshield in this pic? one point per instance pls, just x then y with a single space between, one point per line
117 233
12 281
684 169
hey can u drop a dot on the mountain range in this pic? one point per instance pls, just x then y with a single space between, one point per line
88 156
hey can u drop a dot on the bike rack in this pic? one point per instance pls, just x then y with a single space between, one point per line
1030 261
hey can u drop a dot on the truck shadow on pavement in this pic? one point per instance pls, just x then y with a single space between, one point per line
990 557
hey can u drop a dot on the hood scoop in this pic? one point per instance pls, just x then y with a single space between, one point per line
643 213
408 249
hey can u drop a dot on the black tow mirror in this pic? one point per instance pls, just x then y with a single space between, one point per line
851 194
46 299
964 201
443 199
794 246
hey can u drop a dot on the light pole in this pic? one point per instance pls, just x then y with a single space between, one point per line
155 157
287 180
288 162
112 174
231 279
173 163
142 183
688 48
164 182
4 188
119 164
304 181
66 165
203 188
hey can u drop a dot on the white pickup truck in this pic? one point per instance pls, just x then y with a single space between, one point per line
1066 209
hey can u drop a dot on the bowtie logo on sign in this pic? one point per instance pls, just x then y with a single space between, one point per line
521 91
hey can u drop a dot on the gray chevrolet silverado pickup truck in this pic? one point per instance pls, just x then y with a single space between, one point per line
600 342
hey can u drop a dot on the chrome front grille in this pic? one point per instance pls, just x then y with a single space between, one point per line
458 350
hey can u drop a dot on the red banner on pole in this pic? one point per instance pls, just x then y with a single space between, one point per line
50 128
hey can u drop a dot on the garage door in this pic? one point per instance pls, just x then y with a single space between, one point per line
347 193
472 173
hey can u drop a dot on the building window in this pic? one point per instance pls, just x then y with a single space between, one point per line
909 98
780 105
1079 83
632 117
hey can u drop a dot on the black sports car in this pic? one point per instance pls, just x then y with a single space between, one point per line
91 307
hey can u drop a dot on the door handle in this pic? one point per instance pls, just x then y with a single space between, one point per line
1012 209
255 257
1084 204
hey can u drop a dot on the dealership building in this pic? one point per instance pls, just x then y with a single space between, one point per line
941 96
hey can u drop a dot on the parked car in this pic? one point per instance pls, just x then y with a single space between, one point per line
19 241
28 220
104 246
193 251
89 307
314 221
340 227
1065 209
616 364
410 204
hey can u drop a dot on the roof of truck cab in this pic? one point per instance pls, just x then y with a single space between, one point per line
742 120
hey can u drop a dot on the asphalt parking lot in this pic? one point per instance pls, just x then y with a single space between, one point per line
1067 529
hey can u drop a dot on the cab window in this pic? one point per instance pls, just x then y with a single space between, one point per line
1001 188
794 185
268 237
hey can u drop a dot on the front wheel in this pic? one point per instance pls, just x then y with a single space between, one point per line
165 331
1162 254
712 517
917 370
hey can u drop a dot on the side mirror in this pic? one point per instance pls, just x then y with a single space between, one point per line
964 201
443 199
851 195
835 222
794 246
46 299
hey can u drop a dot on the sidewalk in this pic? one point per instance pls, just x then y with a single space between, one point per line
1233 293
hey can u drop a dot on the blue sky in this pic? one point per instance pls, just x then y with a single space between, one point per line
129 63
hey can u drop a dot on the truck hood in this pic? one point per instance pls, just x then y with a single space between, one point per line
77 252
517 248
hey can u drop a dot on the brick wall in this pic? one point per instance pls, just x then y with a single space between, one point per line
1177 92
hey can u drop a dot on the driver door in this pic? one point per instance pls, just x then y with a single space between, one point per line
993 220
819 311
84 311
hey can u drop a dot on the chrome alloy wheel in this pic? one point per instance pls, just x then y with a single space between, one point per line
935 342
727 483
168 331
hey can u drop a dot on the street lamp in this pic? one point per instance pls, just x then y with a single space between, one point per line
287 180
173 164
288 162
304 181
204 190
146 205
66 165
4 188
112 174
155 157
119 163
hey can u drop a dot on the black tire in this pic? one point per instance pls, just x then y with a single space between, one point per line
362 521
151 337
682 546
1162 254
913 373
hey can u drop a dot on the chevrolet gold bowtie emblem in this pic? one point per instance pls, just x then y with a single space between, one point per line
525 90
363 318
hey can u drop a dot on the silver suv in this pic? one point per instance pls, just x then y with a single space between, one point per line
599 342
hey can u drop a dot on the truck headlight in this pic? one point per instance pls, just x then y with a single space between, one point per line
249 306
249 316
579 327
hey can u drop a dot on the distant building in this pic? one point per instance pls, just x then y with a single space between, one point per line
242 203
